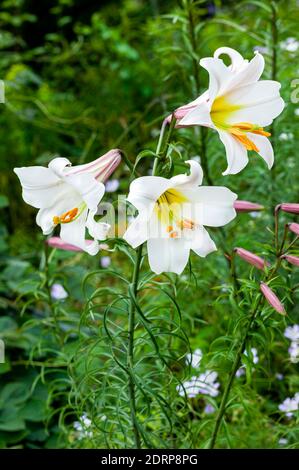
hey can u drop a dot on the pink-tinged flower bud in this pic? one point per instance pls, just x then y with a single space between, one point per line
290 207
272 298
294 228
56 242
251 258
247 206
291 259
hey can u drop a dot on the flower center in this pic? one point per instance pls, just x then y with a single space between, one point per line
67 217
221 111
169 208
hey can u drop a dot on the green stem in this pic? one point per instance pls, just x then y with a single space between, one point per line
161 151
130 351
274 43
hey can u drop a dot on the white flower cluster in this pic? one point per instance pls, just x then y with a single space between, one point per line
292 333
290 45
290 405
255 360
83 427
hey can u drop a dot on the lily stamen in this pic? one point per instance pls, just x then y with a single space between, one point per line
67 217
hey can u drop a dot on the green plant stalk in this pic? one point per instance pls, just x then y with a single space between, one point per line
242 345
130 351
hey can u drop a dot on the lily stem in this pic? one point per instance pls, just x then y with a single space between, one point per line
130 350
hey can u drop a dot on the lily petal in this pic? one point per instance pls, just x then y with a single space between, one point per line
202 244
236 153
265 148
187 181
167 255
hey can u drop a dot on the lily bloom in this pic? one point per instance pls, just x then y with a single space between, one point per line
272 298
237 105
68 197
172 216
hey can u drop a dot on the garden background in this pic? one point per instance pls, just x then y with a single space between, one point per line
81 77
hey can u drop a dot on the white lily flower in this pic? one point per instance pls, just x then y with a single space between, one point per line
69 196
237 105
172 216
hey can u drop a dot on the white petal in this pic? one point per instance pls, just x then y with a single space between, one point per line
265 148
61 203
219 76
58 165
249 74
203 244
137 232
186 181
101 168
74 233
88 187
198 116
97 230
40 185
260 103
145 191
212 205
167 254
237 60
236 153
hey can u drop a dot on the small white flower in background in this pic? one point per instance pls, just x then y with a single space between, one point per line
290 45
196 158
172 214
204 384
255 360
290 405
58 292
283 442
292 332
209 409
238 105
297 112
105 261
261 49
284 136
83 427
112 185
255 214
69 196
194 358
279 376
294 352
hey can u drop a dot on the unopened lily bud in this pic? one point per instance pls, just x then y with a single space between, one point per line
247 206
290 207
56 242
291 259
294 228
251 258
272 298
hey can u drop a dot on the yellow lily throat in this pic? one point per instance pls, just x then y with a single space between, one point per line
69 216
169 210
220 112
